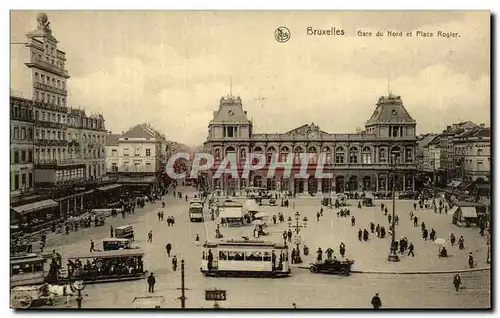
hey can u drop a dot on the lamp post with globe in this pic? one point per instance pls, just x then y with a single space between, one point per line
218 234
296 227
393 256
79 285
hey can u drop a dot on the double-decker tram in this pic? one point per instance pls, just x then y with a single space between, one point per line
244 258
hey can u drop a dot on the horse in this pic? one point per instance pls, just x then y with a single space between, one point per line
56 291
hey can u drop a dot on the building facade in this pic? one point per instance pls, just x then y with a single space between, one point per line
357 161
472 154
21 146
137 156
67 146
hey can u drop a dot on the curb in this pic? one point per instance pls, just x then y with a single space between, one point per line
416 272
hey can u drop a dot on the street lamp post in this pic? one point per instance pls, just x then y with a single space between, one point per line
296 228
393 256
79 285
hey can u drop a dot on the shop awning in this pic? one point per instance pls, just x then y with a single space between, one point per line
230 213
139 180
109 187
27 208
76 195
454 183
468 212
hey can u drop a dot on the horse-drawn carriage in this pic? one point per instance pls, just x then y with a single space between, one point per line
343 268
22 297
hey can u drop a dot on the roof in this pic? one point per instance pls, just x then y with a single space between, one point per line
468 212
243 242
427 140
142 131
112 139
390 109
110 254
109 187
27 208
231 212
28 259
230 110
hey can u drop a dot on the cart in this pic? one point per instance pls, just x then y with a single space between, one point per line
343 268
148 302
23 297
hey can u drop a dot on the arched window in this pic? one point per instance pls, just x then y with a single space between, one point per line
230 149
284 153
257 150
367 155
298 152
353 155
269 154
311 153
339 155
327 155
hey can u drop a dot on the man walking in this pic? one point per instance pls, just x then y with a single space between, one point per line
111 230
151 283
411 248
376 302
92 246
457 281
168 248
150 236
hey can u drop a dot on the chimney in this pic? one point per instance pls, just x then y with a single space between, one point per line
481 125
448 127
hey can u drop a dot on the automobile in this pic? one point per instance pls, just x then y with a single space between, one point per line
343 268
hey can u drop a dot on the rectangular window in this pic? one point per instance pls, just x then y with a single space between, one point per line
148 152
16 156
23 156
114 153
30 155
23 180
16 182
30 180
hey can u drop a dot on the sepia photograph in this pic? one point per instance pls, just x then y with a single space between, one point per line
250 160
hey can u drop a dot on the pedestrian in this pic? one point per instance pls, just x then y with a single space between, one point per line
293 205
414 205
376 302
92 246
150 236
174 263
389 218
111 230
163 204
411 249
432 235
342 249
293 255
186 198
159 216
329 253
353 221
317 216
422 226
452 239
425 234
457 282
461 243
319 253
471 260
289 235
168 247
385 211
365 235
372 227
415 221
151 283
396 219
210 259
377 230
285 236
360 235
197 240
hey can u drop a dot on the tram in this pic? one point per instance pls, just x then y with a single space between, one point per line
27 269
109 266
196 211
244 258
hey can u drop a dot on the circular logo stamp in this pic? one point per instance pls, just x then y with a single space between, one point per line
282 34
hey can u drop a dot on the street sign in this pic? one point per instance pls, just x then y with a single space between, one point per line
215 295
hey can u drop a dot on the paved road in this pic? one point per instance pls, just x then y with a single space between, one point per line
303 288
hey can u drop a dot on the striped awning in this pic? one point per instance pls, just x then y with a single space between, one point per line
35 206
109 187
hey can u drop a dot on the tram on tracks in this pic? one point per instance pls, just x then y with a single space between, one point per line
27 269
244 257
108 266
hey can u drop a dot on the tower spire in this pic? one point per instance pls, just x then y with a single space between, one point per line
389 86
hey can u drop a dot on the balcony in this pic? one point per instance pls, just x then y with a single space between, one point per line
48 67
50 124
52 89
51 142
57 163
50 106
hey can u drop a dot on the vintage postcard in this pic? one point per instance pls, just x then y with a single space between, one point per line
250 159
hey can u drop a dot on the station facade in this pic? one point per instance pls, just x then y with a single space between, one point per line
362 161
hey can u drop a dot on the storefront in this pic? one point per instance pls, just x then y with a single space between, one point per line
108 194
73 203
34 216
144 185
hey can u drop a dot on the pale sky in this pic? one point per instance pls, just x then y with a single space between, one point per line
171 68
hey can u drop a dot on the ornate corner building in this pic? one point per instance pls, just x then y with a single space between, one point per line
357 161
